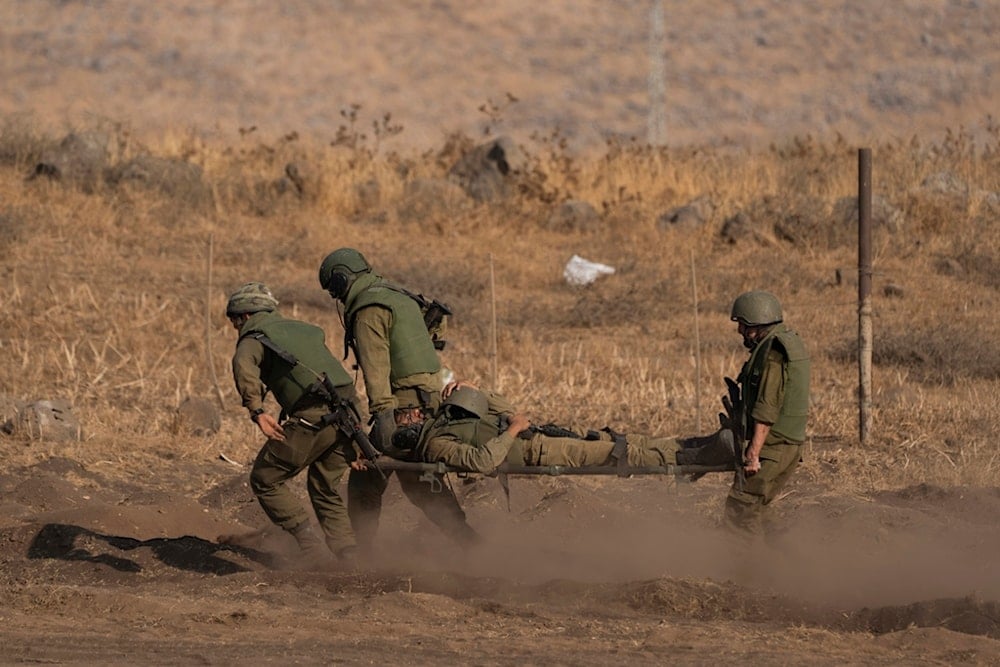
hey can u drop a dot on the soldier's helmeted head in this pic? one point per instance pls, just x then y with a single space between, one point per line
340 269
249 298
755 312
756 308
466 400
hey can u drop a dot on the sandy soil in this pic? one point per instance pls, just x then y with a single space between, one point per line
113 566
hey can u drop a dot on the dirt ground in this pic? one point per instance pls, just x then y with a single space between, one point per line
113 566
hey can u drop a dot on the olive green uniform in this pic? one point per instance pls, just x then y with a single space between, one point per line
477 444
397 358
324 451
774 388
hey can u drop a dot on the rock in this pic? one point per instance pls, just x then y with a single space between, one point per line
483 173
197 416
49 420
737 228
692 215
78 159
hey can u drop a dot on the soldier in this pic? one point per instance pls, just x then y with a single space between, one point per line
289 358
478 430
771 409
402 373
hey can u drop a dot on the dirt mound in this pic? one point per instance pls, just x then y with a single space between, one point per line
967 615
640 564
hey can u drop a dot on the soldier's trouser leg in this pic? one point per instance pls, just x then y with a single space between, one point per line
323 485
646 451
364 504
442 508
543 450
745 510
642 451
277 462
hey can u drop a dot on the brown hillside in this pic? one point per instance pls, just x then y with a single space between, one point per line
752 71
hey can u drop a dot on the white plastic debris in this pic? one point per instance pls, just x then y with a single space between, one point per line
580 271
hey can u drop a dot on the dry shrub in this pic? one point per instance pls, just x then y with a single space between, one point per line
21 143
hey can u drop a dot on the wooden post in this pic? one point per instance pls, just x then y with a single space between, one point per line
208 323
493 327
864 294
697 351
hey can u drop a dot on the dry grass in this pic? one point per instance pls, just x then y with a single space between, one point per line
106 290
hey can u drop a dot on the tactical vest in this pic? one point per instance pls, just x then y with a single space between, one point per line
290 383
411 350
791 424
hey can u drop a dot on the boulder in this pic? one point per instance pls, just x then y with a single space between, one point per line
692 215
485 171
197 416
49 420
78 159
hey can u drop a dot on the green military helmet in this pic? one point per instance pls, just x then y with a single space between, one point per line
469 399
250 298
756 308
340 269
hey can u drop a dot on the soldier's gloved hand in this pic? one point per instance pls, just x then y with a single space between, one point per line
385 426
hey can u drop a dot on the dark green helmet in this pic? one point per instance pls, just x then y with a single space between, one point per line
469 399
756 308
340 269
250 298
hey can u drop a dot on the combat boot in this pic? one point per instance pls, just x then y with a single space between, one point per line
714 450
309 543
347 558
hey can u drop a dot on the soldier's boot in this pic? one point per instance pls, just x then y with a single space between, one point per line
309 543
713 450
695 442
347 558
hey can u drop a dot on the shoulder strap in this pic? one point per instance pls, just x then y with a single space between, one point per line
282 353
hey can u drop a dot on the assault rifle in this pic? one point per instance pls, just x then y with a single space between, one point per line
551 430
732 419
343 414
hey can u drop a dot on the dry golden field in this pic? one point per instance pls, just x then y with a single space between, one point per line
116 286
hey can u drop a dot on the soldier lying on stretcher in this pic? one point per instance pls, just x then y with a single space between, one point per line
478 430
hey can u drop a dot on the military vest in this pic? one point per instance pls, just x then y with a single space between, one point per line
291 382
411 350
791 424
